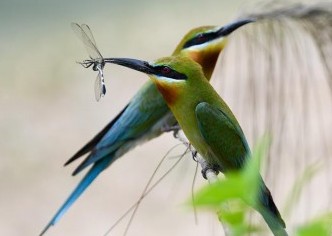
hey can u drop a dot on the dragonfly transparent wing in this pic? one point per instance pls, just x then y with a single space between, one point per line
85 35
100 88
88 32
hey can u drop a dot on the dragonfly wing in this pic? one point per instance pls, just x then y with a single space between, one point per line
98 93
100 88
88 32
85 35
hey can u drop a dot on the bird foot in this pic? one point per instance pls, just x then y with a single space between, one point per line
209 168
194 155
175 128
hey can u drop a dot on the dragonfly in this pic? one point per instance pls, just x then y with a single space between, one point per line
83 32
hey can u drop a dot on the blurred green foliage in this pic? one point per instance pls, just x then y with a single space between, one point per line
321 226
231 197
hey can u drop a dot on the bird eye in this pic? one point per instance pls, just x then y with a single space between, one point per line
200 37
166 70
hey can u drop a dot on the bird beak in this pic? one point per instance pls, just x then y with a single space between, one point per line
135 64
227 29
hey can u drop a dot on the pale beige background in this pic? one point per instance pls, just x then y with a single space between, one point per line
48 112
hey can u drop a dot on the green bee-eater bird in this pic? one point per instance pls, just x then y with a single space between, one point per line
147 115
206 120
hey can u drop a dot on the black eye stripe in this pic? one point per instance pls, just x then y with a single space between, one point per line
200 39
169 73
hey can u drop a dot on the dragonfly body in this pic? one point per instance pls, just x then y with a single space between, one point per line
96 64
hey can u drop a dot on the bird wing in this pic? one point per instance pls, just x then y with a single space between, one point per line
223 136
93 142
145 109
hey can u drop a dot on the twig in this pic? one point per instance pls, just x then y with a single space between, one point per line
210 174
148 188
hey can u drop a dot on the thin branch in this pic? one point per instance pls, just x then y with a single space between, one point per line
147 190
210 174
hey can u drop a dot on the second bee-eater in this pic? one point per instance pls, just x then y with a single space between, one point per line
206 120
146 116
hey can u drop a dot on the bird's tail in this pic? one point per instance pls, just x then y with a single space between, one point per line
270 212
85 182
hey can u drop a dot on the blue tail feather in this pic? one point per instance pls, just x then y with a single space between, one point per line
85 182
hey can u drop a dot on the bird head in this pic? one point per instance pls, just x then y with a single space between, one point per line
203 44
172 75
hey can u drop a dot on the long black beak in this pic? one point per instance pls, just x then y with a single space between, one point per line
135 64
227 29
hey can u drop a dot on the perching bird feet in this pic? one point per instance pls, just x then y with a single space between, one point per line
175 128
208 168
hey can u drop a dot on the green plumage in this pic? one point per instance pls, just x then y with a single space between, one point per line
212 129
207 121
205 118
225 138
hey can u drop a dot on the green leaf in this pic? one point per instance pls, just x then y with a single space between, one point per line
319 227
231 195
243 184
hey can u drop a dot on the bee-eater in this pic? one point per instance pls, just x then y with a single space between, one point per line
146 116
206 120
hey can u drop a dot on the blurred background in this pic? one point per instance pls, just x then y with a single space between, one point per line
48 112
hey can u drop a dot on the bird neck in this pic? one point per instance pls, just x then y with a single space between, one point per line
169 92
207 59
